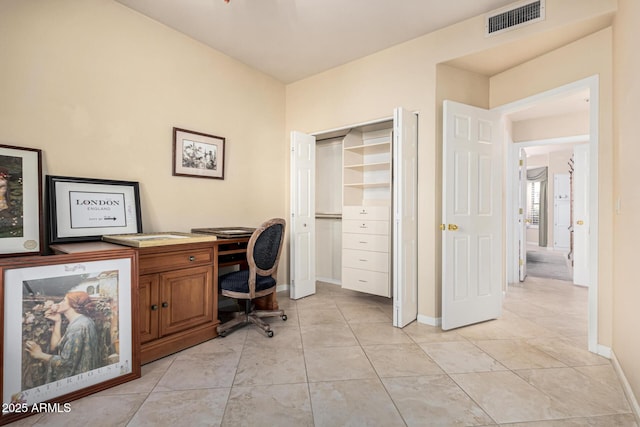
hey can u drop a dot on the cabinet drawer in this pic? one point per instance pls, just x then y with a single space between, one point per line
365 242
371 282
365 227
376 213
174 260
365 260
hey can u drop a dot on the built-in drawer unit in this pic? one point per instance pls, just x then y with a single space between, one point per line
365 249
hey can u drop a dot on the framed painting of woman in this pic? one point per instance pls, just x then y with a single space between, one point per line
68 328
20 201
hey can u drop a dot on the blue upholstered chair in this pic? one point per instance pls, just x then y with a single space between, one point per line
263 254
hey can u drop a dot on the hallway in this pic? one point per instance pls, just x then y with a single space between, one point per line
338 361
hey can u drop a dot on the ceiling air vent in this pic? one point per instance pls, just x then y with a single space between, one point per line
514 16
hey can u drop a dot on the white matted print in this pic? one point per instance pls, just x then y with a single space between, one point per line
198 154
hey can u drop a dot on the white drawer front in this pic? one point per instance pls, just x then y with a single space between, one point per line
376 213
366 242
371 282
374 261
365 227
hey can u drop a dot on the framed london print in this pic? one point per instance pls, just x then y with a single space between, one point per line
20 201
85 209
69 329
197 154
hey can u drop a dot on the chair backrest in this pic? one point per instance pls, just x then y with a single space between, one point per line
265 246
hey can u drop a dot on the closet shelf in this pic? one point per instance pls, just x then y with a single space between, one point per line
369 166
379 147
369 185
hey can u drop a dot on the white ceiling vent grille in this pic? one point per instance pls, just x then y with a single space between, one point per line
514 16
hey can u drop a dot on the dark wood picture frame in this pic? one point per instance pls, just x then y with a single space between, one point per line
103 287
85 209
21 223
198 154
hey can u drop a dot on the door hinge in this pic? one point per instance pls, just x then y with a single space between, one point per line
442 227
520 211
521 162
521 262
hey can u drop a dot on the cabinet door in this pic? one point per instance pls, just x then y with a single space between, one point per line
186 299
149 307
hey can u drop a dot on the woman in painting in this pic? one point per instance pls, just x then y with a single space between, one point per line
77 350
4 189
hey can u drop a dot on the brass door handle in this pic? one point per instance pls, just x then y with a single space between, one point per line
580 222
453 227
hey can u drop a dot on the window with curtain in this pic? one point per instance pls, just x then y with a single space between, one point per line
533 202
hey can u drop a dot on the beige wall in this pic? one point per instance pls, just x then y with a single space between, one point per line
563 125
626 292
99 88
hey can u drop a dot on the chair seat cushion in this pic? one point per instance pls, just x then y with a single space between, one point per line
238 281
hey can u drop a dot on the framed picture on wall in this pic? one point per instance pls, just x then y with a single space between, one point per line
85 209
70 329
197 154
20 201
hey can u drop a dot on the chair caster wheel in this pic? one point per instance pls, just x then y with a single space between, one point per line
284 317
270 334
222 334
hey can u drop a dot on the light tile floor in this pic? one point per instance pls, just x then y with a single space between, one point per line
337 361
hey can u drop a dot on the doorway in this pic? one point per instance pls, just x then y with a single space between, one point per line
585 217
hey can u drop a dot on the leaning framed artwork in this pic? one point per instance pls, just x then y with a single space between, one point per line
85 209
197 154
69 329
20 201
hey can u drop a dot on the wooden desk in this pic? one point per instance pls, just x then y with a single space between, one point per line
178 288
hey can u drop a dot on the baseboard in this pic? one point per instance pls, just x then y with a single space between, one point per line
329 280
604 351
431 321
628 391
282 287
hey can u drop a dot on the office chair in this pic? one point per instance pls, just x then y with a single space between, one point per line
263 254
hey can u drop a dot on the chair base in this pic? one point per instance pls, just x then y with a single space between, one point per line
242 319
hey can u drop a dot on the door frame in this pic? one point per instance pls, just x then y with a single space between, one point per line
511 149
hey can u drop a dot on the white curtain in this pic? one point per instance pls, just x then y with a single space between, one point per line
540 175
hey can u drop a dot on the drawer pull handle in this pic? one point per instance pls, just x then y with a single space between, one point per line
192 258
364 260
363 212
362 281
363 226
165 304
154 307
362 242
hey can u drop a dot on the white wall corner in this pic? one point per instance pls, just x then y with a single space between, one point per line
431 321
628 391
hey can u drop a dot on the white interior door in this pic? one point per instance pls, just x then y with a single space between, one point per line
561 212
581 215
405 217
472 215
522 216
303 212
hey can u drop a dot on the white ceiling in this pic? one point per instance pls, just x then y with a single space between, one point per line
294 39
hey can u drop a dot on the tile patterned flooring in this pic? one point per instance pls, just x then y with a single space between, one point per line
337 361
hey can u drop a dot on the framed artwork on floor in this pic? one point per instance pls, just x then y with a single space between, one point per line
69 328
20 201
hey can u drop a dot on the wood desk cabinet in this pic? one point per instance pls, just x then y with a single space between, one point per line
178 305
